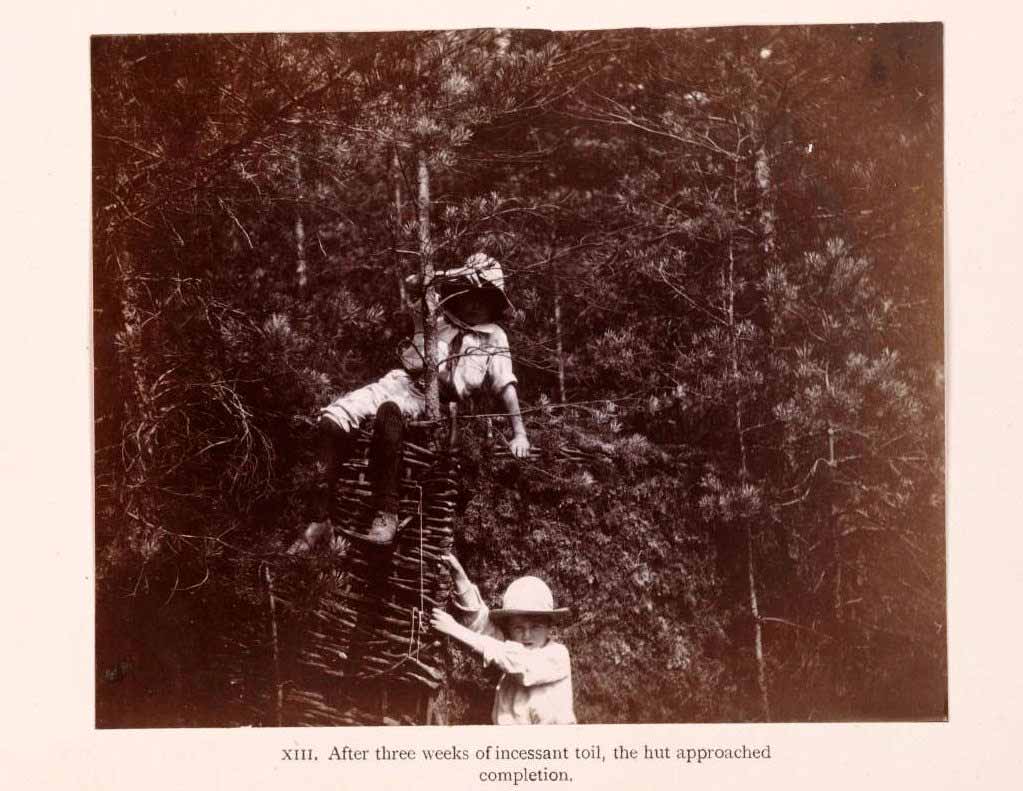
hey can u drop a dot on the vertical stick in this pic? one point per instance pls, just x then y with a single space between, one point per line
278 686
758 632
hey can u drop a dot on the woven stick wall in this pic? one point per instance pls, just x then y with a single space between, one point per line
352 642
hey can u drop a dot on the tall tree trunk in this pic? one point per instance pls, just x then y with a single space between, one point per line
740 434
301 268
758 635
399 211
838 645
758 630
559 341
429 299
768 217
436 710
278 685
832 512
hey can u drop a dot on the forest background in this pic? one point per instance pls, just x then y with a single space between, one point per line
725 247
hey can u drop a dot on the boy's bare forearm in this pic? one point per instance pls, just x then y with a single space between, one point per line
467 637
510 397
461 580
519 445
445 624
458 573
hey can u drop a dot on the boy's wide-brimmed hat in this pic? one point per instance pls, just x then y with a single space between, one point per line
482 271
529 596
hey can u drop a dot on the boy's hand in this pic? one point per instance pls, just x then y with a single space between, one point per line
443 622
457 572
519 446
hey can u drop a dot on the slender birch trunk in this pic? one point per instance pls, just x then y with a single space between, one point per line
429 298
436 708
833 526
399 212
559 341
758 631
762 172
301 268
278 693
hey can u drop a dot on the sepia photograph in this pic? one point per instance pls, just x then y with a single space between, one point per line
516 376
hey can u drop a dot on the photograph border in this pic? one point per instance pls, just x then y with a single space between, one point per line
50 739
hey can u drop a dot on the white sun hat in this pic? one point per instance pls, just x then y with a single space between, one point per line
529 596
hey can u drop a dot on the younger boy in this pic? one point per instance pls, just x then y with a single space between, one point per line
536 688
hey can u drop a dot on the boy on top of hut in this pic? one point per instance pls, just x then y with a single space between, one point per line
473 355
536 687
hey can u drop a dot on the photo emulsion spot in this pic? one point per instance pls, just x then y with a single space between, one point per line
507 376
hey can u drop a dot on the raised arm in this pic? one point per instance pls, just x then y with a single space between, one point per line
539 666
472 610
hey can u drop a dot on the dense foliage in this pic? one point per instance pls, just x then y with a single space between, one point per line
725 251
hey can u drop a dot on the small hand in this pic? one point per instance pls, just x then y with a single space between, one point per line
519 446
457 572
443 622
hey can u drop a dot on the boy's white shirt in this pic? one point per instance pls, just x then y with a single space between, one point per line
483 357
536 688
483 361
